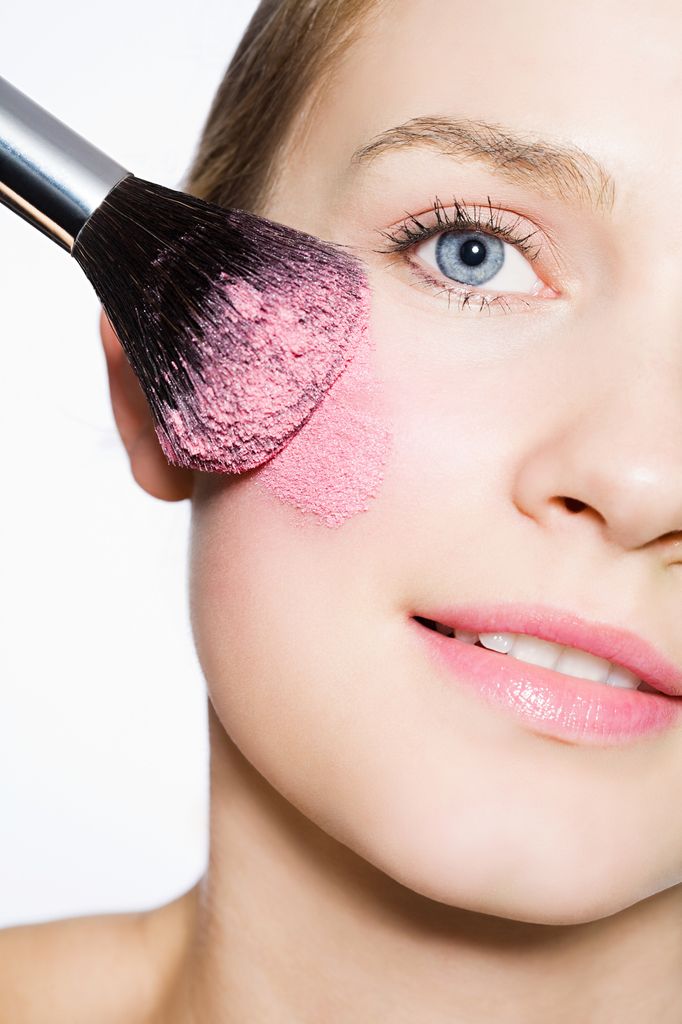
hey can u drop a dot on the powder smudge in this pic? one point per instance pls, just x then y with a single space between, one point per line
277 331
335 463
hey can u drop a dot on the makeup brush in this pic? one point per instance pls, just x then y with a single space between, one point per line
235 326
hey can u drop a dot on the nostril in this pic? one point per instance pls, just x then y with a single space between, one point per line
573 504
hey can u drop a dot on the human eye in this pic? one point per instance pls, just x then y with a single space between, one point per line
472 247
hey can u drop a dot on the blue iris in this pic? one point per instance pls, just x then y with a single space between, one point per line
469 257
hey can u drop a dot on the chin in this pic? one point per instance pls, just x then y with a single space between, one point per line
508 875
531 900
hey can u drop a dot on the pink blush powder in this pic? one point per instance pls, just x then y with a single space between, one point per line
265 357
335 463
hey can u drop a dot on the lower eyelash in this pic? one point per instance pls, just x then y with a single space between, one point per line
411 232
466 296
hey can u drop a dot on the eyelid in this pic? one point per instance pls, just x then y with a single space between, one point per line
436 218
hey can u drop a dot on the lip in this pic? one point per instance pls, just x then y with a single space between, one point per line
549 701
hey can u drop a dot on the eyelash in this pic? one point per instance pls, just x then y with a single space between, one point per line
411 232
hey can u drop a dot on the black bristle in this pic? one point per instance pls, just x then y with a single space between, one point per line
160 260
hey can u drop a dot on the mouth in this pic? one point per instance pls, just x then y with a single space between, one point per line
559 674
565 660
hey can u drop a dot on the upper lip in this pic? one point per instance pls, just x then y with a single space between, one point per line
613 643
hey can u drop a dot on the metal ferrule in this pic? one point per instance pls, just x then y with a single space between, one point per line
49 175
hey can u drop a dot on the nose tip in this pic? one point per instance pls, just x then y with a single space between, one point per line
634 497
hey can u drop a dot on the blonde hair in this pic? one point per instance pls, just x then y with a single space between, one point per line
289 48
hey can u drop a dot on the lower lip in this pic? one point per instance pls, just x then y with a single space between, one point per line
550 702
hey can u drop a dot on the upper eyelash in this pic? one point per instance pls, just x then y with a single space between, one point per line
412 231
489 223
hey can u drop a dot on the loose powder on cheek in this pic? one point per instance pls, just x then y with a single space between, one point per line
270 348
335 463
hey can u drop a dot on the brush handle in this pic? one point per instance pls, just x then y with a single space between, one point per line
49 175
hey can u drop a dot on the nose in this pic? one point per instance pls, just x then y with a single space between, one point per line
612 452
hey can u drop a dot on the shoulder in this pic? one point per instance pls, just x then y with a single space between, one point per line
83 969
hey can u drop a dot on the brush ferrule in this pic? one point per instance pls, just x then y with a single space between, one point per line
49 175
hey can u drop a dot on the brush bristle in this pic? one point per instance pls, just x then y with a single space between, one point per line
235 326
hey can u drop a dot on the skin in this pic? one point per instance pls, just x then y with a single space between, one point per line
381 842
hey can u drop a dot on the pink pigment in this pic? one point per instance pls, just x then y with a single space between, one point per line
335 463
276 372
268 358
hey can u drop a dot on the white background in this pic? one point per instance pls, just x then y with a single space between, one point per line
103 744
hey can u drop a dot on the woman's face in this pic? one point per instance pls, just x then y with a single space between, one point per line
488 416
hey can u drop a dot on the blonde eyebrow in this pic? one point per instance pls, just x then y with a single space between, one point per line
566 172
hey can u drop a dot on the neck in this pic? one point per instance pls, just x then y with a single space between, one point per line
289 925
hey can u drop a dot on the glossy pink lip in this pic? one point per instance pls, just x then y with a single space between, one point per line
549 701
618 645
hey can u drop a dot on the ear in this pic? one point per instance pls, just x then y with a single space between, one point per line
136 426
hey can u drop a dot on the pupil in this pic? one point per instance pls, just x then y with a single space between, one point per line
472 253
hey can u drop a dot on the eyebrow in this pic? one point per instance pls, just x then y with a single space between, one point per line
564 171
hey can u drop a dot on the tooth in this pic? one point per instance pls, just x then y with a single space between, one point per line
501 642
583 665
536 652
619 676
467 638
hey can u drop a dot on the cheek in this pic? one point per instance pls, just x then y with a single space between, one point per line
335 464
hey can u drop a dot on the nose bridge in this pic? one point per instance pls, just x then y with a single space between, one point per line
637 339
641 379
616 445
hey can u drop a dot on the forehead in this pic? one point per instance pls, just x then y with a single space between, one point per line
600 75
